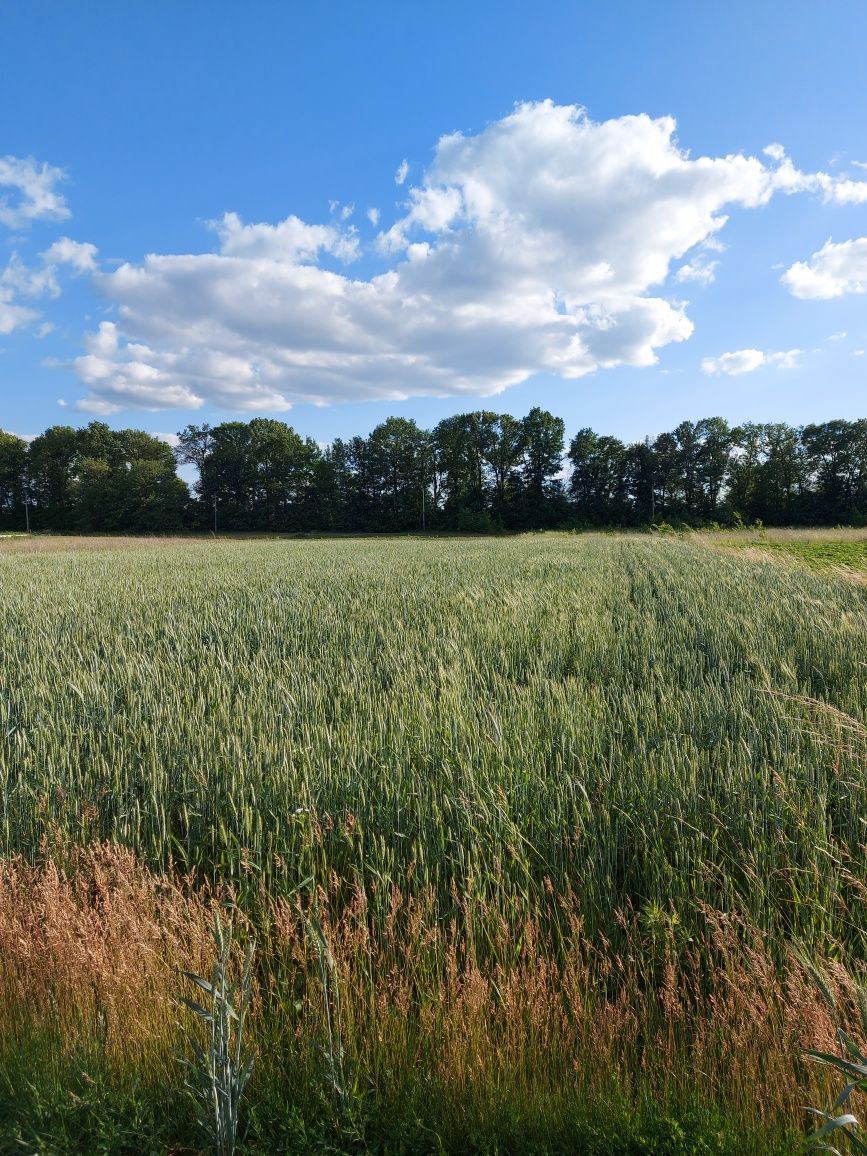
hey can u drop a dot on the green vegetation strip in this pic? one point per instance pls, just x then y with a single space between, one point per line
818 555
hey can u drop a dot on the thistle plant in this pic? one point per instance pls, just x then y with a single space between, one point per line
217 1072
332 1050
839 1122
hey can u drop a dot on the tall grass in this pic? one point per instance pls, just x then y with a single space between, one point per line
620 777
533 1048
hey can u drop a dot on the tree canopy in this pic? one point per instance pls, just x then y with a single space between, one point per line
478 471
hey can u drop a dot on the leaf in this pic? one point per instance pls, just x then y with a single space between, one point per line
852 1049
858 1070
845 1094
196 1007
197 979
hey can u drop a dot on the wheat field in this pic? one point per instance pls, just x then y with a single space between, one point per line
576 810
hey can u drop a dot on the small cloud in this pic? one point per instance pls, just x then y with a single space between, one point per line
775 151
79 255
700 271
344 212
18 279
28 192
96 406
11 315
747 360
373 216
857 352
30 282
733 364
402 172
834 270
837 336
44 329
785 359
169 438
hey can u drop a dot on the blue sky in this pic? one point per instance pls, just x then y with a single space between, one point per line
334 212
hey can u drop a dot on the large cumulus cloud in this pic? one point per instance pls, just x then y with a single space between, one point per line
543 243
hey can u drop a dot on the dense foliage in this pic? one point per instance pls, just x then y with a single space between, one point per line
474 472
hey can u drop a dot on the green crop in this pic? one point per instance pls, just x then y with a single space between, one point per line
639 721
575 809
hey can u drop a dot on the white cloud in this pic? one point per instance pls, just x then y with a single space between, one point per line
291 241
857 352
541 244
402 172
25 281
79 255
733 364
28 192
747 360
775 151
837 336
785 178
11 315
785 359
431 210
699 270
169 438
373 216
134 376
18 280
836 269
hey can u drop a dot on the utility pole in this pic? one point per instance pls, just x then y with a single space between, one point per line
215 515
25 494
652 481
423 487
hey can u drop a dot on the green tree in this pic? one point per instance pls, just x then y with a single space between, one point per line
542 442
463 444
598 479
503 455
836 461
397 461
53 461
13 480
260 474
126 481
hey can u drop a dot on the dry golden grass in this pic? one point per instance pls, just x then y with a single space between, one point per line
91 952
76 543
93 948
795 534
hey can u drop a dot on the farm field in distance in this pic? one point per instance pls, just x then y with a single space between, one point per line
844 550
580 817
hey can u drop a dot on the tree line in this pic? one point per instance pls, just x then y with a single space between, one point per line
474 472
